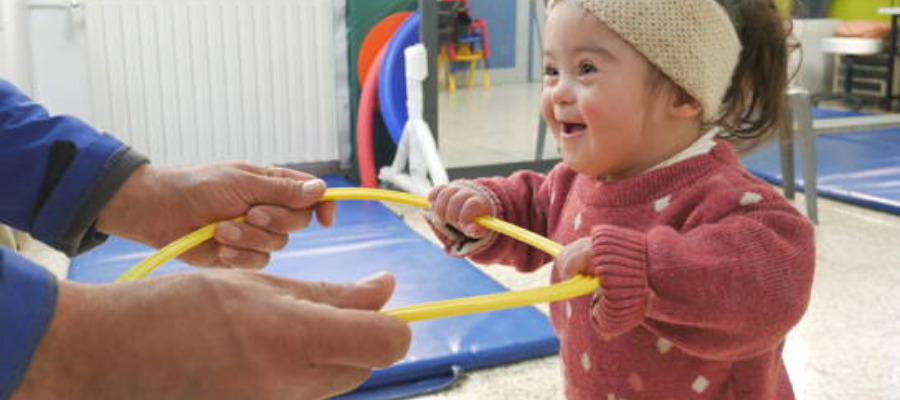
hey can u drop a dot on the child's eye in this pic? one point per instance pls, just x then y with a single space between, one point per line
588 68
550 72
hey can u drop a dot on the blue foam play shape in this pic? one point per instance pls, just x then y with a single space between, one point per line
861 168
368 238
392 77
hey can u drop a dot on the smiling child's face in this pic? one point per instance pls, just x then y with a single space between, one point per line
598 98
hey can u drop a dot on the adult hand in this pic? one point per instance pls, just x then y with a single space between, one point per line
155 206
222 334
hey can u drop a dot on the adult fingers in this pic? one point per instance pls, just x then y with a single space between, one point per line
325 212
371 293
278 219
336 324
350 337
282 191
248 237
271 171
241 258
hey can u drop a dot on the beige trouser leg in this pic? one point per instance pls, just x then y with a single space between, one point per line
37 252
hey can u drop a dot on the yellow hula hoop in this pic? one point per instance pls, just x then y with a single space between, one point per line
575 287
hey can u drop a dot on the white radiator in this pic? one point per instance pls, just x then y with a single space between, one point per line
192 81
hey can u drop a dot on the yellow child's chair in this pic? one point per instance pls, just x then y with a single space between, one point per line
467 44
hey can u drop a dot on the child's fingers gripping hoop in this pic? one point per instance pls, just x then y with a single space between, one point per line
575 287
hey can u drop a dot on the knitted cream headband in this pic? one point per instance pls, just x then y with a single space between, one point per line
693 42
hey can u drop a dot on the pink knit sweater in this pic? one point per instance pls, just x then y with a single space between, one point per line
704 270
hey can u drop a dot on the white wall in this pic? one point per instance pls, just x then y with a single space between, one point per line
42 51
14 47
59 65
48 58
3 38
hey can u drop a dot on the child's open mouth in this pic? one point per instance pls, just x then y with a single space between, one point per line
572 129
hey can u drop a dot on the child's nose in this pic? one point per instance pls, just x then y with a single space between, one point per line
562 92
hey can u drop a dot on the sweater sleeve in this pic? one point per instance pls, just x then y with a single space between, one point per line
56 173
724 290
521 199
27 301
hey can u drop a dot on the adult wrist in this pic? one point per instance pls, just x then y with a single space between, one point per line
126 214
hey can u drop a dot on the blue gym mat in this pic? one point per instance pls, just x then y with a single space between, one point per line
861 168
368 238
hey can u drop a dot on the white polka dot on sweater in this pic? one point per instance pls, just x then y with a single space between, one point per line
578 221
700 384
750 198
611 397
662 203
569 310
636 382
552 198
585 362
663 345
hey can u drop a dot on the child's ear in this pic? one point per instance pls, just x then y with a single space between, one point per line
684 106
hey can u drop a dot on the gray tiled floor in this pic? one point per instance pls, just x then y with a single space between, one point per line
846 347
497 126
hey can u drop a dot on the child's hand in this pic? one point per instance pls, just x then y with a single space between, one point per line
575 259
458 206
625 296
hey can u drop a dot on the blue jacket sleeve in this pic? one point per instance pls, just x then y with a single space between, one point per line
56 173
27 301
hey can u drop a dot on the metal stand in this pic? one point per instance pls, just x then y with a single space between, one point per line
534 31
429 37
892 56
541 139
801 110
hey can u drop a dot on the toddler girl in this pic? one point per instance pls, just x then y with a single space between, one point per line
704 268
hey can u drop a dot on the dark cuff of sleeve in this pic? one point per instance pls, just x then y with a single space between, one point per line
67 219
27 301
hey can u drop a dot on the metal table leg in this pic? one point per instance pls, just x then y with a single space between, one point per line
541 139
802 110
786 148
892 55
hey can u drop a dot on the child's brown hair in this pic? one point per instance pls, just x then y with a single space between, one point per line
755 106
